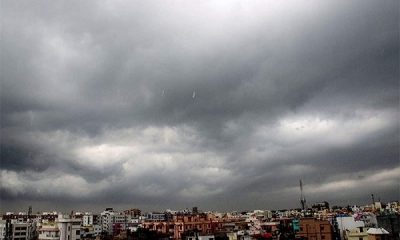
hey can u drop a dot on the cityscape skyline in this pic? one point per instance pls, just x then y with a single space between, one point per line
218 104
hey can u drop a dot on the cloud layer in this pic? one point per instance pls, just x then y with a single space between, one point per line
220 104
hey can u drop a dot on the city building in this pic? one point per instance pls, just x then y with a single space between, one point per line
3 229
87 219
359 233
134 212
315 229
21 231
347 223
49 232
155 216
107 220
69 228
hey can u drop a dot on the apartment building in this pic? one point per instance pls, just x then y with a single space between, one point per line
49 232
315 229
69 227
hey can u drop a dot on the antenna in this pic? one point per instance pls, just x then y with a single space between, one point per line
302 198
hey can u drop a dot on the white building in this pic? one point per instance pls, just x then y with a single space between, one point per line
2 229
87 220
107 219
18 229
69 227
110 218
21 231
121 219
49 232
348 223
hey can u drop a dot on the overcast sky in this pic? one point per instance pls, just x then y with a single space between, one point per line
218 104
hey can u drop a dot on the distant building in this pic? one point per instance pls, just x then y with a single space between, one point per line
134 212
22 231
49 232
347 223
3 229
107 220
69 227
319 206
112 223
315 229
87 220
195 210
154 216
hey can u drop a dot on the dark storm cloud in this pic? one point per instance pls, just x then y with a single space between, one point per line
176 103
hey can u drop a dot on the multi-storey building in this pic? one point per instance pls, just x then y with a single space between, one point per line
87 219
69 227
154 216
48 216
113 222
107 220
3 229
23 230
359 233
17 228
49 232
315 229
203 224
134 212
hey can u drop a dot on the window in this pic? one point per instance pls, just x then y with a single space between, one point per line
322 237
360 238
322 228
78 232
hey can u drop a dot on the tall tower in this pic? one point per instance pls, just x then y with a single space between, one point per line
30 211
302 198
373 201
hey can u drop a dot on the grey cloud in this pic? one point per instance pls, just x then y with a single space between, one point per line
115 81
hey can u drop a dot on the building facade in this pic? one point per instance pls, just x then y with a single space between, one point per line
69 228
49 232
315 229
